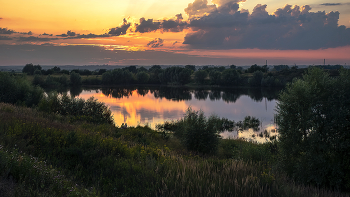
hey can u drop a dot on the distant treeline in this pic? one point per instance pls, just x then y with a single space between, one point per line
254 76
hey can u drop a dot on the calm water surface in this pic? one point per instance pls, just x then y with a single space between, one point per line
154 105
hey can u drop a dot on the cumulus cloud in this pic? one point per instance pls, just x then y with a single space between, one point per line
117 31
199 8
158 42
290 27
6 31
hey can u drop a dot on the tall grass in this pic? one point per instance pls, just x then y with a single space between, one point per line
106 161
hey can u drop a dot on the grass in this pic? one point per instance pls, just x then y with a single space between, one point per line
43 155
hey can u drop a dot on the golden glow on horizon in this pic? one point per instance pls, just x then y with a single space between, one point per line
92 16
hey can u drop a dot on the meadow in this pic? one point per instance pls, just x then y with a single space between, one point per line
45 154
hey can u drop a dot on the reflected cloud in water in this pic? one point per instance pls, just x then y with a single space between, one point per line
154 105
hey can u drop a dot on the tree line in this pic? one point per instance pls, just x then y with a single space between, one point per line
254 76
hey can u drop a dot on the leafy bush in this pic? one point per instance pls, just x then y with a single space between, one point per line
314 123
17 90
90 110
197 133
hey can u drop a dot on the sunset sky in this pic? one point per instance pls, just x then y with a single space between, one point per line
199 32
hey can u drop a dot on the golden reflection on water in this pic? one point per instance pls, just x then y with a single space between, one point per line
137 109
127 109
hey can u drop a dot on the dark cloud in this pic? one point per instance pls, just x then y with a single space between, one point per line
68 34
199 8
91 36
6 31
330 4
158 42
45 34
290 27
171 25
73 35
1 18
27 33
5 38
147 25
120 30
35 39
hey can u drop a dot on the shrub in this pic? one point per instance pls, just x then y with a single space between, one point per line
86 110
314 123
197 133
17 90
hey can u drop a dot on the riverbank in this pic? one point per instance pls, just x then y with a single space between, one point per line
45 153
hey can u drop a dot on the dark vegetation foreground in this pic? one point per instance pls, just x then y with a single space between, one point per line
64 146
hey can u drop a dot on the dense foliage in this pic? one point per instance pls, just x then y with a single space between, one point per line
314 125
89 110
17 90
75 79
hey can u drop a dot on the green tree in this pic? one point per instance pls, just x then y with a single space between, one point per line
314 124
29 69
215 77
200 76
142 77
230 77
256 79
75 79
107 78
191 67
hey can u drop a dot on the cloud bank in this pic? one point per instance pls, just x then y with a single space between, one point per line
290 27
6 31
223 25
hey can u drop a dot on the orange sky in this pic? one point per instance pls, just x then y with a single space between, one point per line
98 17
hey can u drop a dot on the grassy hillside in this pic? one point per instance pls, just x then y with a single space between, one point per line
44 154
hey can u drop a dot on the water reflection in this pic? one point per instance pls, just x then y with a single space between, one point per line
154 105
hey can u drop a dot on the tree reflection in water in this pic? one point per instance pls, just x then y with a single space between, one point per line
156 104
184 94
